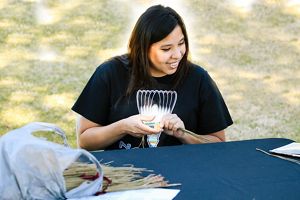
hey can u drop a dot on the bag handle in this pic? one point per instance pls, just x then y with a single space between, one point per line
43 126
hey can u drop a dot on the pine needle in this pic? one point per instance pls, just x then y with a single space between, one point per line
200 137
116 178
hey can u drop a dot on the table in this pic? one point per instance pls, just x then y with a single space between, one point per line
229 170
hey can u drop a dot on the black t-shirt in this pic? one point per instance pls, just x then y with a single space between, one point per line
199 103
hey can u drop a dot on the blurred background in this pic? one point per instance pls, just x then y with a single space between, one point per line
50 48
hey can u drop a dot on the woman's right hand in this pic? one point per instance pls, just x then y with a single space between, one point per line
134 126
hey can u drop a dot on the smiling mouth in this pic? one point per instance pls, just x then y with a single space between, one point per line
174 64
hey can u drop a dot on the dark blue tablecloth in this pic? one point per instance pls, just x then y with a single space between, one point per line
231 170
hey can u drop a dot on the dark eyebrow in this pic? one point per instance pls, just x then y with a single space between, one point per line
169 45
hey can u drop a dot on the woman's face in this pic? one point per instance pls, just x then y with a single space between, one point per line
166 54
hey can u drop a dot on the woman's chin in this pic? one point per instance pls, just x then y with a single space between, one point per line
172 71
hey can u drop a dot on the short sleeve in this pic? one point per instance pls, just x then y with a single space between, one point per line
214 115
93 102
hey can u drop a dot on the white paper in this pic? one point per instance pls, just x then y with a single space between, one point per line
292 149
142 194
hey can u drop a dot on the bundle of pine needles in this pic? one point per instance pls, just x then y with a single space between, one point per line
115 178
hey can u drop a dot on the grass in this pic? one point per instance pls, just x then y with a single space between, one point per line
253 55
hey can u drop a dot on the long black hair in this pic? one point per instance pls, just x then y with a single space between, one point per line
156 23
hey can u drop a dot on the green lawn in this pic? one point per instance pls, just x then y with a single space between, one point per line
48 52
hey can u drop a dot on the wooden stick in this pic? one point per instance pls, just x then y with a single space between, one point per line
281 157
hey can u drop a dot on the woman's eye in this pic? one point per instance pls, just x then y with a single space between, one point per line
181 43
168 49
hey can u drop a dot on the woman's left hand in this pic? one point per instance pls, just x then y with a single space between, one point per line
172 124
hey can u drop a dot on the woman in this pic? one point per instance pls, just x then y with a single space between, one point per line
157 59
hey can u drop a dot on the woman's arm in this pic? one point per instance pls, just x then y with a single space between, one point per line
198 139
174 126
93 136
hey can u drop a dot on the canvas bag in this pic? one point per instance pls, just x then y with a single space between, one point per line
32 168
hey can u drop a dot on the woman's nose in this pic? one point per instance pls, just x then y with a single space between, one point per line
177 53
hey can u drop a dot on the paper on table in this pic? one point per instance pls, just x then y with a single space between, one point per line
292 149
141 194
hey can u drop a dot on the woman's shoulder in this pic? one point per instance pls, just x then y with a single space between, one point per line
114 64
115 68
197 70
197 75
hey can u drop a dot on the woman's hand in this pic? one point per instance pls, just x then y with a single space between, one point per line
172 124
134 125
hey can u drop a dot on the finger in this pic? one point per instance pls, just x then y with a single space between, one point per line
172 123
139 135
175 126
166 124
148 130
168 132
169 121
147 117
134 134
178 133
